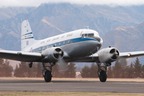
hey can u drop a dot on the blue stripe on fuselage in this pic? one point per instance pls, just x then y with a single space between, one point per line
65 42
81 39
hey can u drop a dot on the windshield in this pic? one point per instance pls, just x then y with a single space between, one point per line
88 35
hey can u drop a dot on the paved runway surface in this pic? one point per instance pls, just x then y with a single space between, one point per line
70 86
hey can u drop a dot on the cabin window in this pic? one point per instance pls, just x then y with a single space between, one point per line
63 42
68 41
40 49
44 47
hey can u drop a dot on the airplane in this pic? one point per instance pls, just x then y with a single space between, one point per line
83 45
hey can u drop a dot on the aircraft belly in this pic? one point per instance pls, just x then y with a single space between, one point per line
81 49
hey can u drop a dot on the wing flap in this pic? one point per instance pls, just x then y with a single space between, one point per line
21 56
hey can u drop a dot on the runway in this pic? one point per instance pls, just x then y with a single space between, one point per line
38 85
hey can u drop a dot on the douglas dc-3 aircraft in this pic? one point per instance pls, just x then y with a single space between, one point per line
76 46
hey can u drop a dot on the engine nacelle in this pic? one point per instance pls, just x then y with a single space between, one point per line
108 55
52 54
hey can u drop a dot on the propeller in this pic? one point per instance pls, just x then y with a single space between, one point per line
63 66
59 55
115 53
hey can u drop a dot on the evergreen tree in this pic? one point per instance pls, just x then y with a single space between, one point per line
110 72
130 71
71 71
117 70
2 71
39 70
85 73
137 68
124 66
23 70
142 71
93 71
55 71
89 72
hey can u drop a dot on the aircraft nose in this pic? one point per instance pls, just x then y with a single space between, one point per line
99 39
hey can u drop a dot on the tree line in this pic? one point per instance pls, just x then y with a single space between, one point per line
23 70
118 70
123 70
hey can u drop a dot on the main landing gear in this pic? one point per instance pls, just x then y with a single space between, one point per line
46 72
47 69
47 76
102 73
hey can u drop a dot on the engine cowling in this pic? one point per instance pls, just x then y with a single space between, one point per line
108 55
52 54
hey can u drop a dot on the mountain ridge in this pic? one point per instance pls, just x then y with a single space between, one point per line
115 24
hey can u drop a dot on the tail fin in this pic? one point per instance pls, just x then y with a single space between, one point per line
27 37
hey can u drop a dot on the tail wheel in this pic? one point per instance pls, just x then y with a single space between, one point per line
102 76
47 76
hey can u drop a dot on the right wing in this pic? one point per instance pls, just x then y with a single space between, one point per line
21 56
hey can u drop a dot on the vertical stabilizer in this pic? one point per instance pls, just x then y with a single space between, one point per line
27 37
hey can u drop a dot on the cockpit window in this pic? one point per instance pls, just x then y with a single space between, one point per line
88 35
98 39
91 35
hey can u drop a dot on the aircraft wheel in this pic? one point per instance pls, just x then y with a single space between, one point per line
47 76
102 76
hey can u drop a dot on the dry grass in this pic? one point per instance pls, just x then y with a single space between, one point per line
67 94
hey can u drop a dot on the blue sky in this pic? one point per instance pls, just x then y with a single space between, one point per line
6 3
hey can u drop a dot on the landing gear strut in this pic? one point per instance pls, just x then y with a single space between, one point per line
102 73
47 69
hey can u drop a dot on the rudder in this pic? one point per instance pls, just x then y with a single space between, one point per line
27 37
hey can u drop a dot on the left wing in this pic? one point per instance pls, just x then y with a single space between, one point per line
21 56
